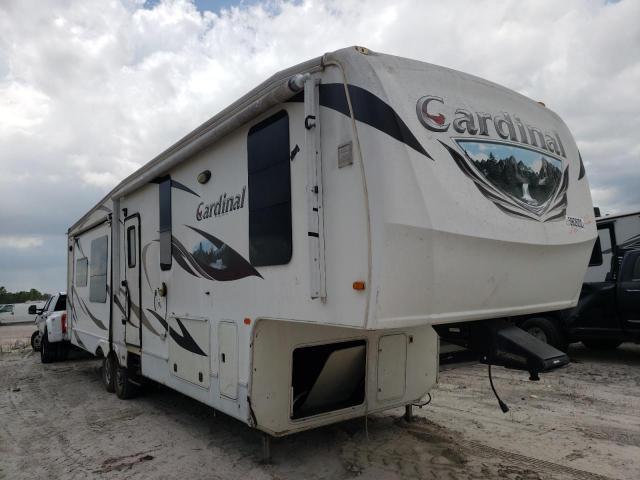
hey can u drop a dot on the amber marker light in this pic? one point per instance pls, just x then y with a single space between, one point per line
358 285
247 321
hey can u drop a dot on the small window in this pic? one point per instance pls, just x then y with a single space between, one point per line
82 272
596 254
61 304
269 191
165 223
131 246
98 270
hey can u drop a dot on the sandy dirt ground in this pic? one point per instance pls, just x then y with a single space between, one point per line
15 335
582 422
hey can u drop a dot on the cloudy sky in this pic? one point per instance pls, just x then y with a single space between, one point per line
92 89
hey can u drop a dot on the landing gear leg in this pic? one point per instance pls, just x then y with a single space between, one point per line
266 448
408 413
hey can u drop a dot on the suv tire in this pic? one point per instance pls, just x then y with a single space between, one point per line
547 331
35 341
48 351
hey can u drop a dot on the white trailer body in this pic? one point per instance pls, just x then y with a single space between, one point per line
615 233
285 262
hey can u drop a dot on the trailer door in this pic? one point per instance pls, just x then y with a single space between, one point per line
131 285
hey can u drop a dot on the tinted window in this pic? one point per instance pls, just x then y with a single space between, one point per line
82 272
596 254
98 270
165 223
61 304
269 191
131 246
635 275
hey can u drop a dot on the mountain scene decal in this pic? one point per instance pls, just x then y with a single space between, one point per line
520 181
211 258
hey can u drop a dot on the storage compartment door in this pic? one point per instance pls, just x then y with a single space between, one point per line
189 349
392 366
228 359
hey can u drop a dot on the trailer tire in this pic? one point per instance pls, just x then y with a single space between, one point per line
602 343
124 388
35 341
547 331
48 352
109 366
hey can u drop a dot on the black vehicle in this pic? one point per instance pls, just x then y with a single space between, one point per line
607 314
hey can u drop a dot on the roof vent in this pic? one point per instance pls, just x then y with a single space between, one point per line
362 50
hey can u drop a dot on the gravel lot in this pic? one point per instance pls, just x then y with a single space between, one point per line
582 422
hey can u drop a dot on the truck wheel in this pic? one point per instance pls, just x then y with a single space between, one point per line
47 350
108 373
124 388
547 331
602 343
35 341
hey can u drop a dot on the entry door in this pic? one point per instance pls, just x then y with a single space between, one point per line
133 333
629 291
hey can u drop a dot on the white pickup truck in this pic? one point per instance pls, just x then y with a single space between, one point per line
52 336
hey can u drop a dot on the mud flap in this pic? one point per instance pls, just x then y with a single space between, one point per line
499 342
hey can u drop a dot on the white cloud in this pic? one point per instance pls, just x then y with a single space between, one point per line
91 90
20 242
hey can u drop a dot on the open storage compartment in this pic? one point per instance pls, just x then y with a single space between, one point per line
328 377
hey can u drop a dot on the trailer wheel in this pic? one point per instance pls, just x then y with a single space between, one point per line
35 341
124 388
602 343
108 373
48 352
547 331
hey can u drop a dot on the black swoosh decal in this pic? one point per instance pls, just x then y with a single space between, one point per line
367 108
175 184
185 340
158 317
582 170
86 310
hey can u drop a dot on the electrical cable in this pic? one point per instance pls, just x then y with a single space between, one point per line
503 406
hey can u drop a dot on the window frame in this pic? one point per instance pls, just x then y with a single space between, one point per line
98 292
86 272
276 253
131 246
165 223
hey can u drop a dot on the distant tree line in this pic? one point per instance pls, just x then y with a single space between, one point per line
21 297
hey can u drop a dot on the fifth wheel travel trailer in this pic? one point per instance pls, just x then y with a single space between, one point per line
286 261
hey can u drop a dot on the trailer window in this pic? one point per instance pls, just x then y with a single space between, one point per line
165 224
269 191
131 246
596 254
82 272
328 377
98 270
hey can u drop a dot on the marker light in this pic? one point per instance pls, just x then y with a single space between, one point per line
358 285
